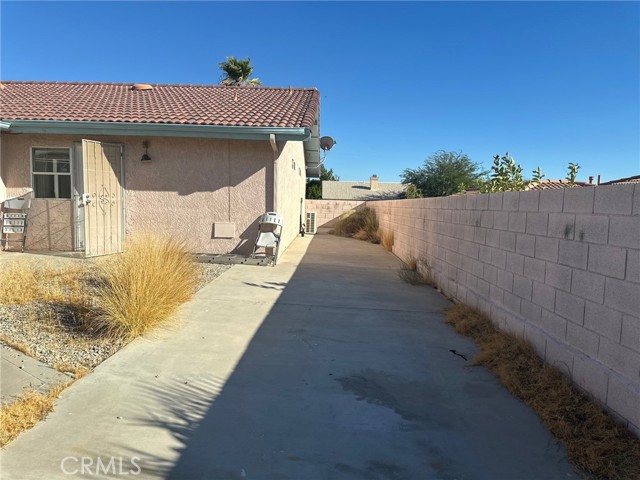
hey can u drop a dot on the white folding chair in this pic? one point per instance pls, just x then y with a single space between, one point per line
268 239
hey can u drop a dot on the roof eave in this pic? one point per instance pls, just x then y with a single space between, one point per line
4 125
156 129
312 147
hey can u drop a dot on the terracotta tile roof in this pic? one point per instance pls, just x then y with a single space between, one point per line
555 184
339 190
634 179
182 104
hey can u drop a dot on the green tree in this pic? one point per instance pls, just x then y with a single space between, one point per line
237 71
538 176
572 173
506 175
444 173
412 192
314 187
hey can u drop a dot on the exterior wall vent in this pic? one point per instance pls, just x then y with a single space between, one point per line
141 87
311 225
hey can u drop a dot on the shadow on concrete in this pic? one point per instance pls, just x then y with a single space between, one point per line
184 404
269 285
350 375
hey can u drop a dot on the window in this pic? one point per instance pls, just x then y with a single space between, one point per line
51 172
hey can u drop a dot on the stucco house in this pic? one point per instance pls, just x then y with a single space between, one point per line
374 189
621 181
103 161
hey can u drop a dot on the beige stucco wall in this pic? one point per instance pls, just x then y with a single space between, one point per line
291 180
49 227
14 150
3 188
189 185
193 183
50 224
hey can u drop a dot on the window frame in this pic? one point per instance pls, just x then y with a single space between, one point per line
56 186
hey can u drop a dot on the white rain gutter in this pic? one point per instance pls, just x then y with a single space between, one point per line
274 147
155 129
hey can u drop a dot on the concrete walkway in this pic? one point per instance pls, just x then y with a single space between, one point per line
327 366
20 372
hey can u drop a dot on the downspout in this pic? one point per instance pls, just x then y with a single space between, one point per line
229 178
274 147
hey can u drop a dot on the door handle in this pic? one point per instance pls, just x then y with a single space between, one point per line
85 199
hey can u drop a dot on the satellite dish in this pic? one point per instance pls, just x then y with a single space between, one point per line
326 143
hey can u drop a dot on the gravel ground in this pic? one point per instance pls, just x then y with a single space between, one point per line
210 271
56 339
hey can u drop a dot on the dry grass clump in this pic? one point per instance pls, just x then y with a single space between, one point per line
386 238
21 347
75 371
595 442
27 281
46 293
361 224
26 412
122 296
416 272
141 288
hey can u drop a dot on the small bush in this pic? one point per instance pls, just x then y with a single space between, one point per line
416 272
386 238
141 288
361 224
594 441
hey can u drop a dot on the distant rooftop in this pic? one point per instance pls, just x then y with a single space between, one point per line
555 185
371 190
620 181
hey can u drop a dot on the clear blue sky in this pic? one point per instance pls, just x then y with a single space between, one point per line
551 83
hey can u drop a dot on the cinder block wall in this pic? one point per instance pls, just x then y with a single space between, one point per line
560 268
329 210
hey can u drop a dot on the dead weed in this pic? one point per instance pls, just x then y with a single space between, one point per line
416 272
595 442
25 412
16 345
386 239
361 224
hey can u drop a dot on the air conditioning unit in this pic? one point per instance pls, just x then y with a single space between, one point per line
311 226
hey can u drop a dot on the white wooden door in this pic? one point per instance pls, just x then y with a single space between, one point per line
78 205
102 199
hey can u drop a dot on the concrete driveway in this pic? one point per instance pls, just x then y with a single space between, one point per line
327 366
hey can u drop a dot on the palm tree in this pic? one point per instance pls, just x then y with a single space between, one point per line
237 72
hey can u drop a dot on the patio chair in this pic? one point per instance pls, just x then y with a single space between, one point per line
15 222
268 239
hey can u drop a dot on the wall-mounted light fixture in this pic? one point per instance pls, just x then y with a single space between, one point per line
145 157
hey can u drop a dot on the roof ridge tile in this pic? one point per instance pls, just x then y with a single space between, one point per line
129 84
